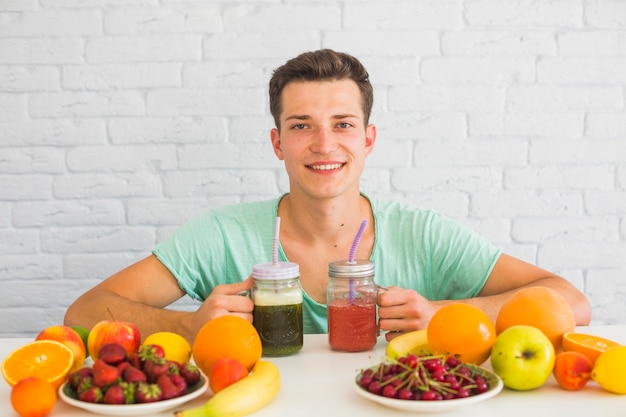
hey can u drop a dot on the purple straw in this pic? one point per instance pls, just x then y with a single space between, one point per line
357 238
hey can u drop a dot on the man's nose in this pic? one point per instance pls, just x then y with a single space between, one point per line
325 141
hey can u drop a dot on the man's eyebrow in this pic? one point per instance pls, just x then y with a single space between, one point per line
298 117
307 117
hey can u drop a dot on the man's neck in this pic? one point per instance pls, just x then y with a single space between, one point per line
324 219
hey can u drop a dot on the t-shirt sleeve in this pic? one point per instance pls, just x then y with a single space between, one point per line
219 247
182 253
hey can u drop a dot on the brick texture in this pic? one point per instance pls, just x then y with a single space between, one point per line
122 119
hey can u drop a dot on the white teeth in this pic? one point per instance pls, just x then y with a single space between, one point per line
326 167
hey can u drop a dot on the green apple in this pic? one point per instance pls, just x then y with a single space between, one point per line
523 357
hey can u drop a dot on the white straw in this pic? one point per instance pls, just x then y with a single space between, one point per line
276 241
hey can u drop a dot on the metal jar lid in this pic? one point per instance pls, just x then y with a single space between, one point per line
276 271
346 269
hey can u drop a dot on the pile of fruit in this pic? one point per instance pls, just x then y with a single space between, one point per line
534 337
424 377
227 351
144 376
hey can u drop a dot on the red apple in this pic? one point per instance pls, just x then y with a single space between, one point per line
70 338
113 331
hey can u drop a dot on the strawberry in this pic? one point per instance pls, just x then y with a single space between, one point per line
123 365
190 372
153 368
135 360
112 353
129 392
132 374
92 394
180 383
85 384
104 374
114 395
120 393
151 352
147 393
168 388
74 379
173 367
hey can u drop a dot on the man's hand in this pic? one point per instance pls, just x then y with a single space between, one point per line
401 310
225 299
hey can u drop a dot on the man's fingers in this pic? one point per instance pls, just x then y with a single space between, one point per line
238 288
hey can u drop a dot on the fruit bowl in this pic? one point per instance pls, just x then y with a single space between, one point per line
495 385
66 394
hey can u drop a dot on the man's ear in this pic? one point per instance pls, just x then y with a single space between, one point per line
370 138
276 145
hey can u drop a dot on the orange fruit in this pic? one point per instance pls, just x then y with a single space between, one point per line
46 359
226 337
589 345
461 330
540 307
33 397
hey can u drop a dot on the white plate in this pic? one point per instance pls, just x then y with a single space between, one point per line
135 409
495 384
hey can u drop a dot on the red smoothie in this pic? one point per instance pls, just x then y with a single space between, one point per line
352 327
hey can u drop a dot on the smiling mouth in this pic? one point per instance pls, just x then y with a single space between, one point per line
325 167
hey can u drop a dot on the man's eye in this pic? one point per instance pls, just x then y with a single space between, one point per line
299 126
344 125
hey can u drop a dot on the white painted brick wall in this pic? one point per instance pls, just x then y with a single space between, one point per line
122 119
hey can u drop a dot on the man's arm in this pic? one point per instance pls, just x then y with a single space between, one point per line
401 310
510 274
140 293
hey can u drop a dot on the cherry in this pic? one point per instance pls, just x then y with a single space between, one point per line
366 380
375 387
411 361
405 394
389 391
462 393
452 381
428 396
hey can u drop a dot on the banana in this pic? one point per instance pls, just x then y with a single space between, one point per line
414 342
243 397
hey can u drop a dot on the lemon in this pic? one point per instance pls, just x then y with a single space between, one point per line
609 370
176 347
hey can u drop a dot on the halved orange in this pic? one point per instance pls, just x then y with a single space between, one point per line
589 345
46 359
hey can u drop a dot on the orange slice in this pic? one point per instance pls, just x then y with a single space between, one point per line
47 359
589 345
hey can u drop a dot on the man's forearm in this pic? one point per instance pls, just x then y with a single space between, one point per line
97 305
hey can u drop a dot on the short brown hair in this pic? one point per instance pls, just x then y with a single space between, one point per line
320 65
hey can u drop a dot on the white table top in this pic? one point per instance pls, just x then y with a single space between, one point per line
319 382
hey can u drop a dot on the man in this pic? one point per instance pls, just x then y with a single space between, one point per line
321 103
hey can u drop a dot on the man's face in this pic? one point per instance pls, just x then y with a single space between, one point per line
323 139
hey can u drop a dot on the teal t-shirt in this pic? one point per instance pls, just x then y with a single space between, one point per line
414 248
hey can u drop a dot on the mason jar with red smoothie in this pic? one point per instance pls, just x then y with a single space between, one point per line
351 300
